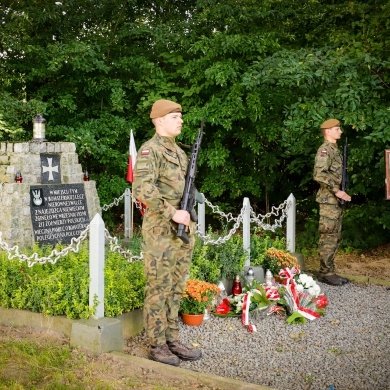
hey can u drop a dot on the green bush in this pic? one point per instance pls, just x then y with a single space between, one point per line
215 262
63 288
204 265
212 263
260 242
365 227
124 285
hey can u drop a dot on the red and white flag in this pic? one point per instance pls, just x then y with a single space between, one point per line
132 158
130 169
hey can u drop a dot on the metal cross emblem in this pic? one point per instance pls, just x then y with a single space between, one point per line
50 168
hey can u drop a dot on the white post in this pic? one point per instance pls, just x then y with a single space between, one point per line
96 265
128 213
291 223
202 216
246 231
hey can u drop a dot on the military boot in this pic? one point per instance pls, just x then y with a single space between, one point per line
162 354
183 352
333 280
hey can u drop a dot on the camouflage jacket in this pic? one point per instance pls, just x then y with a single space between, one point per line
159 178
328 172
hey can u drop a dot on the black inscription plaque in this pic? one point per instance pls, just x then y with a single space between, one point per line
58 212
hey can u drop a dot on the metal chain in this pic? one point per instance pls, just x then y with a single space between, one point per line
116 201
115 247
221 240
274 211
229 217
74 246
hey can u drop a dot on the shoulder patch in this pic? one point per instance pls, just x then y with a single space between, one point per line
324 152
145 152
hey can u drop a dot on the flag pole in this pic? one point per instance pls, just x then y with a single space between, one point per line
130 178
132 159
132 215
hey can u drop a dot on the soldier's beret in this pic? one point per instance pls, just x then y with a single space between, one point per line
164 107
330 123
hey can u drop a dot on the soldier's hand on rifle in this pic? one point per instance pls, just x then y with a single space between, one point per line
343 195
182 216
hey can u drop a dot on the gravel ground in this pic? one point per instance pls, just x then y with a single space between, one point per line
348 348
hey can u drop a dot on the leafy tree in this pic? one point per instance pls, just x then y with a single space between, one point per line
264 75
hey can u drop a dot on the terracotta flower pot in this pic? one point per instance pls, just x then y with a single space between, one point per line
192 319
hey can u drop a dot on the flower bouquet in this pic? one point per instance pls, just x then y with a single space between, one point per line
197 296
232 306
300 297
307 284
277 259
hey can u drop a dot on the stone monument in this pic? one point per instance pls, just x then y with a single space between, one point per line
43 196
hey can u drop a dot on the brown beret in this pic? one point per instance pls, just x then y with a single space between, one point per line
164 107
330 123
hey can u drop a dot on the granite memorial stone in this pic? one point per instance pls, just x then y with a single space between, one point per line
52 203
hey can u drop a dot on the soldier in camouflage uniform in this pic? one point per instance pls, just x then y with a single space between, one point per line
328 173
159 178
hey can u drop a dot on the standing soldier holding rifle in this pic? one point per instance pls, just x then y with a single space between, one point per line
328 172
159 183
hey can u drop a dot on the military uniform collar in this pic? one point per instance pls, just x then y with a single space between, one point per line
168 142
331 144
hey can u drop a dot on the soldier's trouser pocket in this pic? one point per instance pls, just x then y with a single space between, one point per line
155 247
330 219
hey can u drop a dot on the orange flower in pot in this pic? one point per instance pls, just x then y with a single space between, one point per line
197 296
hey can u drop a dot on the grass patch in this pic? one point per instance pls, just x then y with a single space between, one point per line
45 364
35 359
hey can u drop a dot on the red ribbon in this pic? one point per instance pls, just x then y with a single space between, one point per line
291 287
245 313
272 293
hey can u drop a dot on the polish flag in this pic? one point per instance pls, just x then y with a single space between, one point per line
130 169
132 158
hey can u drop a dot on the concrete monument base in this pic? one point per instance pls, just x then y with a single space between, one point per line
97 336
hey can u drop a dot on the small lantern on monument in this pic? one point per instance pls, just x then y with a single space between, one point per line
39 128
18 177
250 276
86 176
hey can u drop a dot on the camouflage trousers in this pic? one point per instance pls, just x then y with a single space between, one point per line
167 265
330 223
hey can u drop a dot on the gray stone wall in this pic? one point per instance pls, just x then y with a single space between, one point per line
15 217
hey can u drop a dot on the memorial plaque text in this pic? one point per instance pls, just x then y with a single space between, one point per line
58 212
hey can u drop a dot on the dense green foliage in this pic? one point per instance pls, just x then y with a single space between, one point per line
215 262
263 74
63 288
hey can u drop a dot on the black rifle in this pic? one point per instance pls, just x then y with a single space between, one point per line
344 177
188 200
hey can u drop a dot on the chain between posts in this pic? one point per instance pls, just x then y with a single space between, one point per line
74 246
115 247
274 212
13 253
221 240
